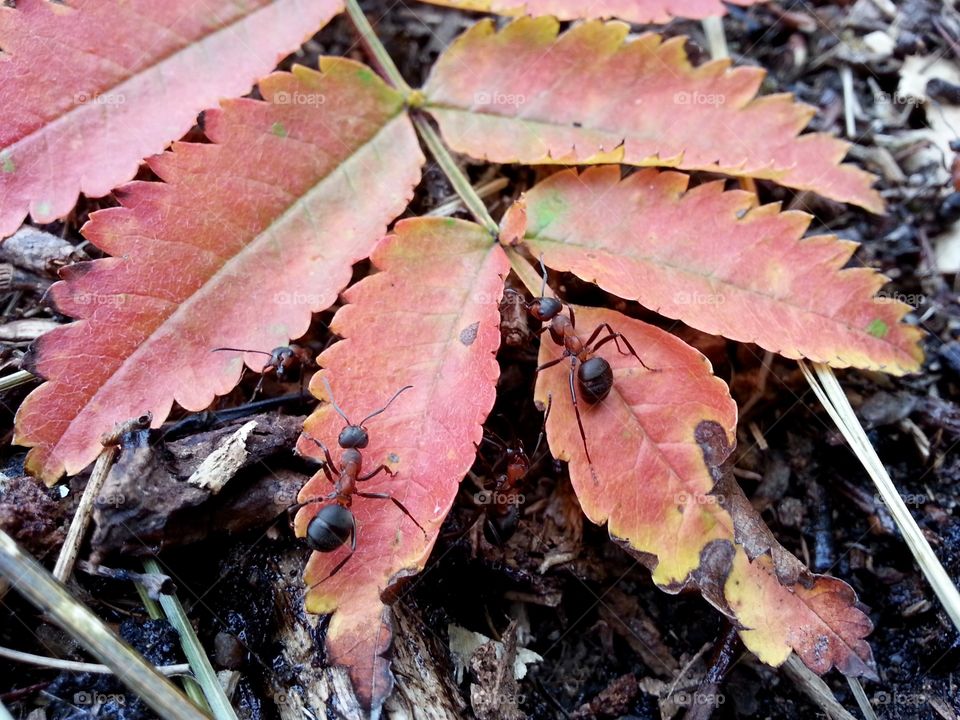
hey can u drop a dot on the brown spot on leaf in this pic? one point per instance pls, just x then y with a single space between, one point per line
712 439
469 334
716 560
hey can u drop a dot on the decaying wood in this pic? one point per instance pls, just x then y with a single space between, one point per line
307 687
39 251
147 501
424 682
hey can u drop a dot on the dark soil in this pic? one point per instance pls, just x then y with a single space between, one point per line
610 641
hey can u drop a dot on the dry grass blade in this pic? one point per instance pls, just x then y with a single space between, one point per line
50 597
81 519
74 666
862 700
20 377
199 662
815 688
831 395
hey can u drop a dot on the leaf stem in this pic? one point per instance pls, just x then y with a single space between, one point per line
453 172
376 48
439 151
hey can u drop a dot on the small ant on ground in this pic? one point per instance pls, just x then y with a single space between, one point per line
591 373
287 362
498 503
335 523
501 508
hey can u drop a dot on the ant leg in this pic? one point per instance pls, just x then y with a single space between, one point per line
543 429
573 318
576 408
263 376
296 506
375 472
327 464
617 337
319 498
549 364
391 498
339 565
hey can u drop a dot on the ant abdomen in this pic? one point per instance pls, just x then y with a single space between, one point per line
596 379
330 528
500 528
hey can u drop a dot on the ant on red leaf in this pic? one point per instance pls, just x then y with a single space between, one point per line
335 524
588 372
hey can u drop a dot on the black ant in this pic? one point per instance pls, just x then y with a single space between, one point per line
286 361
335 523
593 374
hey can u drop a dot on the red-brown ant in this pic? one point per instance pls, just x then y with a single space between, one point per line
593 374
287 362
335 523
502 501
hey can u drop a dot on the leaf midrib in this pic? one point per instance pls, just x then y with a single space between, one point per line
183 307
76 109
721 283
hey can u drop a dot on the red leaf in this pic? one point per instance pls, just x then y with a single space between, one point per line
90 88
822 621
648 480
718 263
526 95
430 319
246 238
655 442
635 11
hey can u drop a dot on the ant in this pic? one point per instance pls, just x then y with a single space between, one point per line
335 523
502 511
499 503
286 361
593 374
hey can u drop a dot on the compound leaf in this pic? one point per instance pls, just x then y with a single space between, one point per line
429 319
89 88
718 263
636 11
655 443
245 239
588 96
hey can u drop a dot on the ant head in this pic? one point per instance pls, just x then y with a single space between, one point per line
330 528
355 435
515 449
545 309
281 354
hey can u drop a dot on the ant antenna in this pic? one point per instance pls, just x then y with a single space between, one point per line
342 414
543 270
395 396
333 402
261 352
